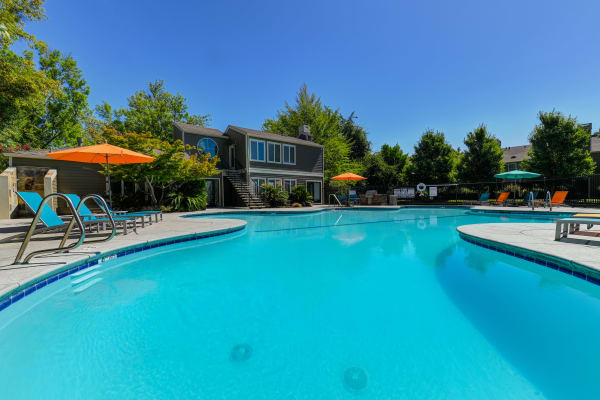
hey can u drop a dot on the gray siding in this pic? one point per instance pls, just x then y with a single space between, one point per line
240 148
308 159
72 177
222 142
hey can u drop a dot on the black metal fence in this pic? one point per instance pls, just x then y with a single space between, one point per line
583 192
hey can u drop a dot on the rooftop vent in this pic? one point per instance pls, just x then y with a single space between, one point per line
304 133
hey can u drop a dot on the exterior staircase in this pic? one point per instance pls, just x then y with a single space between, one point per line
243 191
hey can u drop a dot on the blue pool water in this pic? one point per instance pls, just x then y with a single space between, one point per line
332 305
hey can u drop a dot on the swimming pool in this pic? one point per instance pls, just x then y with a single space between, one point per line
332 305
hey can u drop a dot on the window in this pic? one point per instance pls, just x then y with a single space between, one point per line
289 184
207 145
274 182
257 150
273 152
289 154
257 184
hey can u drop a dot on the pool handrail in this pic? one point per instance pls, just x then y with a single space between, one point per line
336 199
32 228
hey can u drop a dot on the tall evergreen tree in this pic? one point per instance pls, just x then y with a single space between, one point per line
324 123
356 136
482 158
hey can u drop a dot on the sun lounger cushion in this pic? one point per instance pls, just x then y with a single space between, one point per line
586 216
33 201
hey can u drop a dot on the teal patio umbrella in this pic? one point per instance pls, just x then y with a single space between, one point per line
517 175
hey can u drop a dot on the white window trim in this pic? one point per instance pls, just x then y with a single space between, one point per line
259 184
280 152
275 179
283 154
320 184
293 184
257 152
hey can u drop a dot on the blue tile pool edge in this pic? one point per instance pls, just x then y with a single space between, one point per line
33 285
559 264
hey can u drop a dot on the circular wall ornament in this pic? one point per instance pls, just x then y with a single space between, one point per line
421 187
207 145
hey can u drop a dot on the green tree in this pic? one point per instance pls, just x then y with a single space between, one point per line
23 91
62 120
434 160
154 110
385 169
14 15
325 127
559 147
360 146
170 170
482 158
22 85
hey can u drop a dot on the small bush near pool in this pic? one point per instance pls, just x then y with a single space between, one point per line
300 195
273 196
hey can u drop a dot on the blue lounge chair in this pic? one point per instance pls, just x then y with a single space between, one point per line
51 223
134 213
482 199
100 219
354 198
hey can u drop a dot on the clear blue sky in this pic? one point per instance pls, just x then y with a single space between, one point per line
401 66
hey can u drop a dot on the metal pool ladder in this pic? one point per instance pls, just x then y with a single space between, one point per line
336 199
36 219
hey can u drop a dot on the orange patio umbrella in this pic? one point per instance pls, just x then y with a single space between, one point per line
101 153
348 176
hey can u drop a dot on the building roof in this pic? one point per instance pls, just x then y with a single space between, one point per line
33 153
199 130
272 136
515 153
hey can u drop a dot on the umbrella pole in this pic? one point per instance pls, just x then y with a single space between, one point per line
108 176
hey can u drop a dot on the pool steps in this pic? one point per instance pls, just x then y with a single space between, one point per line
84 271
85 277
87 285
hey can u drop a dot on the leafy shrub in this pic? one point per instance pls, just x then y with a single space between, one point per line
191 196
300 195
273 196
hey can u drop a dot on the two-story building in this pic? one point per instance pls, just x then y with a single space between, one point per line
250 158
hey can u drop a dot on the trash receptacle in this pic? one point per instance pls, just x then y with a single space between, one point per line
393 200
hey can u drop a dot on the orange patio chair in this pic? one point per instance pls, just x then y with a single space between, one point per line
558 198
501 198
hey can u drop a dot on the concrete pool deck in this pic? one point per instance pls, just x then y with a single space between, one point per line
582 248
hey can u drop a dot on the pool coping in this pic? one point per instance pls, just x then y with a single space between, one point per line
30 286
563 265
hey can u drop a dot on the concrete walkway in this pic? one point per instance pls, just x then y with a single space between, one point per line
13 276
582 248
